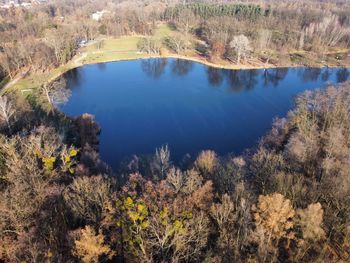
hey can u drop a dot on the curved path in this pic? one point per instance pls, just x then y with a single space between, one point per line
14 81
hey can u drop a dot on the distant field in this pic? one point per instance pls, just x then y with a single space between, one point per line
163 30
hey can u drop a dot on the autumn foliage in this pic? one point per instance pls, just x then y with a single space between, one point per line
286 201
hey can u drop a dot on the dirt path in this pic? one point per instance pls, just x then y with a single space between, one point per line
78 61
14 81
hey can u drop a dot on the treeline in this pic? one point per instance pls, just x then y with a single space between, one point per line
206 10
285 201
306 33
231 31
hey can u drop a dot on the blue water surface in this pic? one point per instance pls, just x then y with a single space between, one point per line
144 104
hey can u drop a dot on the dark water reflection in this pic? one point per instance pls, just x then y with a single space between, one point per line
144 104
154 67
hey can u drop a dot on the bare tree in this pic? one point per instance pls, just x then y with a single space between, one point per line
5 64
55 40
241 45
264 39
86 197
302 40
64 42
150 45
161 162
328 32
186 21
88 29
206 162
6 111
176 42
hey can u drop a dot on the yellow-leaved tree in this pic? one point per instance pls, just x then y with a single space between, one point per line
90 246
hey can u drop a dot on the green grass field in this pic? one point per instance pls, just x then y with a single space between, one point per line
120 44
126 43
123 48
110 56
163 30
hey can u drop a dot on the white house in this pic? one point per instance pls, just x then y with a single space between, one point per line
98 15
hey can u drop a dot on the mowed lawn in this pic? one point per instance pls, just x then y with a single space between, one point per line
113 50
111 56
163 30
123 48
126 43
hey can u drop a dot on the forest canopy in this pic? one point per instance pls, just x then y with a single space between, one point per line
286 200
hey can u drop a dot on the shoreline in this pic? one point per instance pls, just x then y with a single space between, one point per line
79 61
230 66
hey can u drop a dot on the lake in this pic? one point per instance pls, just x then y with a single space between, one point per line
141 105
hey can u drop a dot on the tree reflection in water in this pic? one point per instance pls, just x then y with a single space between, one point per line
215 76
273 76
309 74
73 78
154 68
239 80
326 74
342 75
180 67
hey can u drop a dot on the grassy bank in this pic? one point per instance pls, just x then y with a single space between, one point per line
3 82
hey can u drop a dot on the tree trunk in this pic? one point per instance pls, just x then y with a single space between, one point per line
8 125
238 57
47 94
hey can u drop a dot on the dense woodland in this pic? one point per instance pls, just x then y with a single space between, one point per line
287 200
